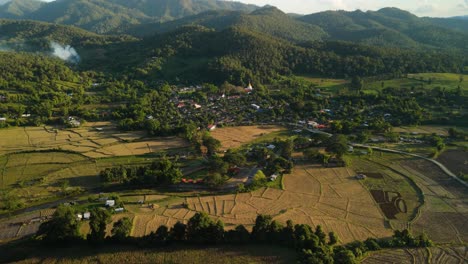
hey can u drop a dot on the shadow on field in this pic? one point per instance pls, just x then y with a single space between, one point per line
82 251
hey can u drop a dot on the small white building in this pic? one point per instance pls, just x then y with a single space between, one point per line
119 210
256 107
87 215
110 203
271 147
274 177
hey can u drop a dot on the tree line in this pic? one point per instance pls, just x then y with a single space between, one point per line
313 245
161 172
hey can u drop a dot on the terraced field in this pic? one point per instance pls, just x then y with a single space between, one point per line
316 196
94 140
446 255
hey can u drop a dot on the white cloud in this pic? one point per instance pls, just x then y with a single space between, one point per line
419 7
426 9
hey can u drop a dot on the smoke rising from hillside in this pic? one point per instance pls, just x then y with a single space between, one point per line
66 53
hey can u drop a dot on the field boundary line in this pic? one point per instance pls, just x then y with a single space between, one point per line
27 135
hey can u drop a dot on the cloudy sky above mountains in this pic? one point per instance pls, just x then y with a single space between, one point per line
436 8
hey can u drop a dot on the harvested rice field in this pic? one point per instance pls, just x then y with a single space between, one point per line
446 255
313 195
234 137
94 140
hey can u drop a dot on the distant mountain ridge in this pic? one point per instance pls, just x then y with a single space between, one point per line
387 27
391 27
17 9
269 20
103 16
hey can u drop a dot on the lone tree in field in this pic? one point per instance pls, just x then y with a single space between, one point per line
98 222
121 229
63 227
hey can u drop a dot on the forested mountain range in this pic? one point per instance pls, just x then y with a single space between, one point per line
385 27
238 45
103 16
33 36
391 27
268 20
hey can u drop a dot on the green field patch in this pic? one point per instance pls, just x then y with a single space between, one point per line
449 81
326 83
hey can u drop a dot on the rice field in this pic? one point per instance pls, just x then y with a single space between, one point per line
234 137
94 140
449 255
312 195
443 211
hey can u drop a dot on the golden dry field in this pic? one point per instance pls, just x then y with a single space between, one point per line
446 255
94 140
40 163
234 137
315 196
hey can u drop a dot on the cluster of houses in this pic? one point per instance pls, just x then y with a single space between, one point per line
107 204
220 107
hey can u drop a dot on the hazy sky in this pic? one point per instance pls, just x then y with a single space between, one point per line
436 8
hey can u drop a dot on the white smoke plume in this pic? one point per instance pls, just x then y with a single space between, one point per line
66 53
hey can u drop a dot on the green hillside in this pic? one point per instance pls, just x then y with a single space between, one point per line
19 8
389 27
103 16
269 20
164 10
237 54
32 35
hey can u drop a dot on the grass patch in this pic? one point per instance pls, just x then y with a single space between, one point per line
276 184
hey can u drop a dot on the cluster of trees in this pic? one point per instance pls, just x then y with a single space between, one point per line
312 245
335 147
65 226
33 84
161 172
219 168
